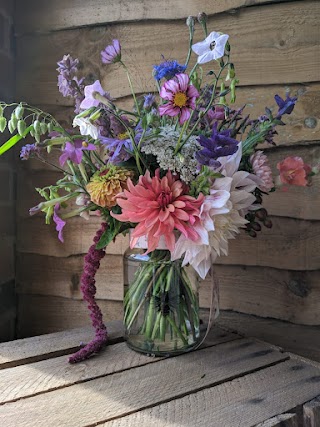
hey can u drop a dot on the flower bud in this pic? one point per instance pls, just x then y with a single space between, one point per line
222 96
11 126
50 127
261 214
202 18
21 127
36 127
267 223
37 137
3 123
190 23
18 112
256 226
252 233
231 72
95 115
43 127
233 89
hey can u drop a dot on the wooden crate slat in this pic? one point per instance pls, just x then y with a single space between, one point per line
41 314
28 350
270 36
243 402
40 377
311 413
46 17
283 420
134 389
296 240
299 339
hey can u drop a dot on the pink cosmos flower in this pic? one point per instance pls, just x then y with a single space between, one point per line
111 53
181 97
294 171
160 206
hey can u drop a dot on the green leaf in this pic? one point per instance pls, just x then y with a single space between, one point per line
111 233
13 140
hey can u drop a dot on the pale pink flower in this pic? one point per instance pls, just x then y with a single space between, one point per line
181 97
159 206
260 166
294 171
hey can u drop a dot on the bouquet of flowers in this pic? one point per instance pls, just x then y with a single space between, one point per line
181 171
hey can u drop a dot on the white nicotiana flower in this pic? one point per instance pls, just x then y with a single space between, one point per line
86 127
211 48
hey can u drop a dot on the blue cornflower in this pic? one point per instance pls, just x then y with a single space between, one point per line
286 106
168 69
220 144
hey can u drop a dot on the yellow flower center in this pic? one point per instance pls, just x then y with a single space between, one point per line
84 144
122 136
180 99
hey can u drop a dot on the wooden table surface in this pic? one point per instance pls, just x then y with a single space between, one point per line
232 381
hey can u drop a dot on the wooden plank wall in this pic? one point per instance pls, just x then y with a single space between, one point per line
276 49
7 181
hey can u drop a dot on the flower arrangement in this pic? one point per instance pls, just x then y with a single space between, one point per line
181 169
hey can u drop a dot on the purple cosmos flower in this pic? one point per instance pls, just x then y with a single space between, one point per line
220 144
112 53
149 100
29 150
168 69
89 91
59 222
286 106
73 151
181 97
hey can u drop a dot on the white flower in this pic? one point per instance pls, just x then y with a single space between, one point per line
211 48
86 127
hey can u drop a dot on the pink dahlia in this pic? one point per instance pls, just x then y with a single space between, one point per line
159 205
294 171
261 168
181 97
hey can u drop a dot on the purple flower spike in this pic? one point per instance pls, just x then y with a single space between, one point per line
89 91
219 145
286 106
29 150
59 222
112 53
73 151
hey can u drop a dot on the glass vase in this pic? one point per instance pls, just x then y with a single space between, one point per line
161 304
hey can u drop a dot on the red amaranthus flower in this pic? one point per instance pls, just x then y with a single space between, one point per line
159 206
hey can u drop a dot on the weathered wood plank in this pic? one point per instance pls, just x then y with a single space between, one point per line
288 295
44 314
311 413
75 13
271 34
284 420
149 384
40 377
243 402
299 339
296 240
30 350
37 274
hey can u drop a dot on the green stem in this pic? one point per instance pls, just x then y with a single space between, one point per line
176 330
131 87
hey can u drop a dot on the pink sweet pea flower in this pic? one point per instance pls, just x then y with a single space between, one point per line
181 97
73 151
294 171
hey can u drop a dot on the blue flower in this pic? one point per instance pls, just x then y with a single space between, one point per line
168 69
149 100
120 150
286 106
220 144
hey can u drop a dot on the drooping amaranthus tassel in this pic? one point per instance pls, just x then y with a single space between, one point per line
88 288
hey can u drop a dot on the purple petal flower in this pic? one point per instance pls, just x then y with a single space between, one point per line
59 222
119 149
89 91
149 100
286 106
220 144
68 65
29 150
168 69
112 53
73 151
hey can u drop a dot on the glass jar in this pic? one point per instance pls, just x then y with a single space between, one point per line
161 304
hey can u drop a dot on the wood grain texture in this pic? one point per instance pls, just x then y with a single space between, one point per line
266 292
75 13
30 350
280 35
299 339
44 314
41 377
38 274
297 241
114 397
311 413
284 420
243 402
